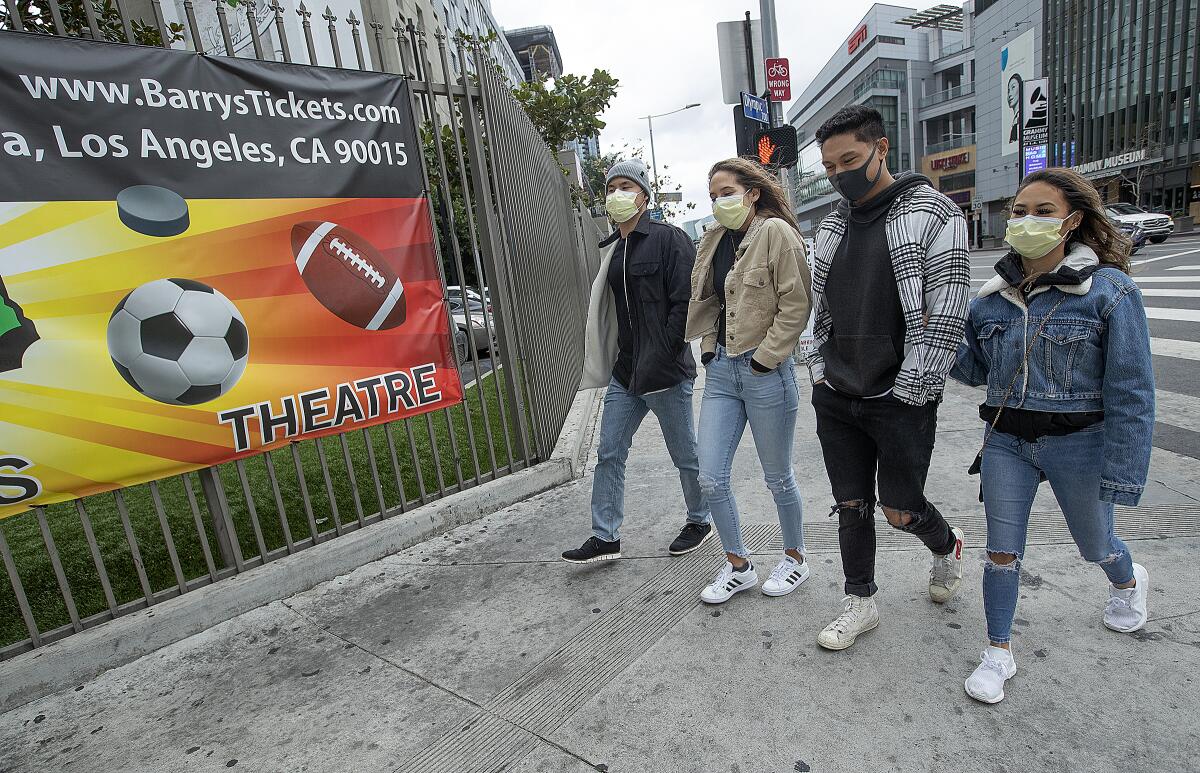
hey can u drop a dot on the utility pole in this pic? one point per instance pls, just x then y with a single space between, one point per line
749 36
653 159
770 35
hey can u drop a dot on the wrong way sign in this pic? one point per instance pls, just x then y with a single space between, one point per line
779 79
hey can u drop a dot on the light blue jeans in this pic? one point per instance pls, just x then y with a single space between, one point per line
1012 471
735 394
623 414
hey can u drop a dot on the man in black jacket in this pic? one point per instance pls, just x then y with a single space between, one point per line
635 347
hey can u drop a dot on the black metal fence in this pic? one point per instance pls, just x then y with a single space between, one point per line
505 222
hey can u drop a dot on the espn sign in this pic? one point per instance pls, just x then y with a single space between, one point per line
857 39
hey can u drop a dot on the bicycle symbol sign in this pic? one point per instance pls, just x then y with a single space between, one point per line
779 80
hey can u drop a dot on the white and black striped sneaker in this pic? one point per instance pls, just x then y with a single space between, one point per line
728 582
786 577
595 549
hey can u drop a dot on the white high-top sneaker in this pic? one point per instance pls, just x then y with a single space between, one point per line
861 615
947 572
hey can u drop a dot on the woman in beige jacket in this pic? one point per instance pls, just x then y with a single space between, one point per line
750 303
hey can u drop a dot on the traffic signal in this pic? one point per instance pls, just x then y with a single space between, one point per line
744 130
776 147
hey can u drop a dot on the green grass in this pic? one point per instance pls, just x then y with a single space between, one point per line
32 558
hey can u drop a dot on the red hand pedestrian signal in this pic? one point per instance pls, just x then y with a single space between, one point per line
766 150
776 147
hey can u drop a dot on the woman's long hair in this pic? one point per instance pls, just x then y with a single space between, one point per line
1095 230
772 201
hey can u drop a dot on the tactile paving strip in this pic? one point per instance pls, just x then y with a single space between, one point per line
547 695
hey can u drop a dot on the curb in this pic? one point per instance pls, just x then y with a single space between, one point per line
86 655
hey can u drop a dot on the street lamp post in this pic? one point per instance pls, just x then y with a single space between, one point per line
650 121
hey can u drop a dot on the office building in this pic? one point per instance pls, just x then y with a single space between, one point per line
886 61
537 50
1009 40
1124 80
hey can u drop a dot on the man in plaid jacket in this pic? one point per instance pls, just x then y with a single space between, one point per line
891 278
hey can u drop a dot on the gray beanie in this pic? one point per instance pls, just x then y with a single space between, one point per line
633 169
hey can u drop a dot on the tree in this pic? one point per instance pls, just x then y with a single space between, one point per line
569 108
596 170
36 16
457 202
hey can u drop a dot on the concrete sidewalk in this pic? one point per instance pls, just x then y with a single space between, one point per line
480 651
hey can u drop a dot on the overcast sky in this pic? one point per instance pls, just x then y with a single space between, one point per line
664 52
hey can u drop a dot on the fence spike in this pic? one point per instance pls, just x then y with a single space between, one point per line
189 12
333 38
224 20
252 19
281 31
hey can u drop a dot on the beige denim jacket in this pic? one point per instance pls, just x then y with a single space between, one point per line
767 293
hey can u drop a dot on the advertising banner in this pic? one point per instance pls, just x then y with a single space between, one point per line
1016 67
1035 123
202 258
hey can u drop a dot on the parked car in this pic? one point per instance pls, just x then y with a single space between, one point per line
456 291
1157 225
1135 233
470 320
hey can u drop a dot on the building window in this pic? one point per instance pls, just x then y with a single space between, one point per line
893 40
956 182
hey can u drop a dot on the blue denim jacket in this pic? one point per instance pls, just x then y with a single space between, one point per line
1092 355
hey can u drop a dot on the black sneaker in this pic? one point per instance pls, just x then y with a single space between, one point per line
691 537
595 549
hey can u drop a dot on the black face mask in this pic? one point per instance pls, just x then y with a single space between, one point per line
854 184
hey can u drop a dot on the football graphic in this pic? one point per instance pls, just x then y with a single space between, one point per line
348 275
178 341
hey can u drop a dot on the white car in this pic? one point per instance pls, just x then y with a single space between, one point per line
470 321
1156 225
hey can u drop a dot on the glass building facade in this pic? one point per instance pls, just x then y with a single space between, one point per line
1124 79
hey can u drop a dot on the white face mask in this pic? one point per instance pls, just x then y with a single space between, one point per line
731 211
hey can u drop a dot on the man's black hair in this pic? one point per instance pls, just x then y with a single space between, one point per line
864 122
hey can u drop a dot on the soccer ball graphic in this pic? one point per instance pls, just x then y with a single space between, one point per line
178 341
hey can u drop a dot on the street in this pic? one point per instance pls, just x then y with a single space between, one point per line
1169 277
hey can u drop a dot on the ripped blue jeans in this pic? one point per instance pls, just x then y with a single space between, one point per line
1012 471
734 395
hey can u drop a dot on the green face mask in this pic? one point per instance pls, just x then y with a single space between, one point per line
1034 237
731 211
621 205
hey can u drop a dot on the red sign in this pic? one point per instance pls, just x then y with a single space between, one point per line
779 80
950 162
857 39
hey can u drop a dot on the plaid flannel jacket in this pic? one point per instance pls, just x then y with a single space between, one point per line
927 238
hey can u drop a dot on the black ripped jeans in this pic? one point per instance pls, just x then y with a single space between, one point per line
881 439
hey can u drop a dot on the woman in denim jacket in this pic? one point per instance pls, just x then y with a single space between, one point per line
1060 339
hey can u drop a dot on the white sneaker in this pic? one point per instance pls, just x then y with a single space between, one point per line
1126 609
986 683
861 615
728 582
786 577
946 574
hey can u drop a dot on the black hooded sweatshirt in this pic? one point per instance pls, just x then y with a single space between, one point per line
866 345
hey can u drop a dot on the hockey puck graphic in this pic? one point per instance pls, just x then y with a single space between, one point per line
153 211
